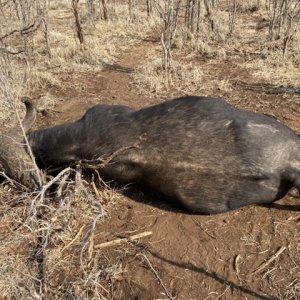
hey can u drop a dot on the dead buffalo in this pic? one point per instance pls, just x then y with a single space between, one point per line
199 151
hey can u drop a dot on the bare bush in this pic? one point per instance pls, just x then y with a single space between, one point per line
104 10
232 15
193 15
283 21
149 7
131 8
45 228
169 16
91 7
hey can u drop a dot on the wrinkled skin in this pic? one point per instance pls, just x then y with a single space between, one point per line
201 152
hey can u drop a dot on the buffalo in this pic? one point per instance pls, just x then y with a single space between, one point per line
200 152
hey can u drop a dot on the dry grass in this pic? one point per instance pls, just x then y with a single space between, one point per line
248 47
273 259
104 41
47 243
274 70
151 79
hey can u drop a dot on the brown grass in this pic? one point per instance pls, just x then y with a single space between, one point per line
104 41
182 78
248 47
71 266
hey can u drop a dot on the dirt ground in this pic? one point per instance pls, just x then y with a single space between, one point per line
250 253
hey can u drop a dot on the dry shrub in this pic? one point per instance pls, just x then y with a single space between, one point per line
59 4
296 47
200 45
207 42
104 40
248 46
46 243
248 6
267 62
35 72
13 84
275 70
39 79
184 78
151 78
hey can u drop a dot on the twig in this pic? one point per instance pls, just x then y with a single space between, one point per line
100 163
204 229
62 185
4 50
221 295
168 294
121 240
37 209
54 180
10 180
26 30
88 241
160 10
236 265
271 259
75 238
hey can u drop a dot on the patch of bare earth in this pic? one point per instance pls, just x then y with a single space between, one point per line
250 253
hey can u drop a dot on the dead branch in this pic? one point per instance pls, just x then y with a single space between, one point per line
88 241
53 181
62 185
232 14
6 51
10 180
209 13
149 7
170 18
168 294
122 240
100 163
105 11
24 31
75 238
77 21
44 231
271 259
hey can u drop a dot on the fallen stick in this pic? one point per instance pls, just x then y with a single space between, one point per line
121 240
75 238
272 258
168 294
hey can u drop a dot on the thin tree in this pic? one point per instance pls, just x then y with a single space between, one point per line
77 21
232 15
169 15
149 7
